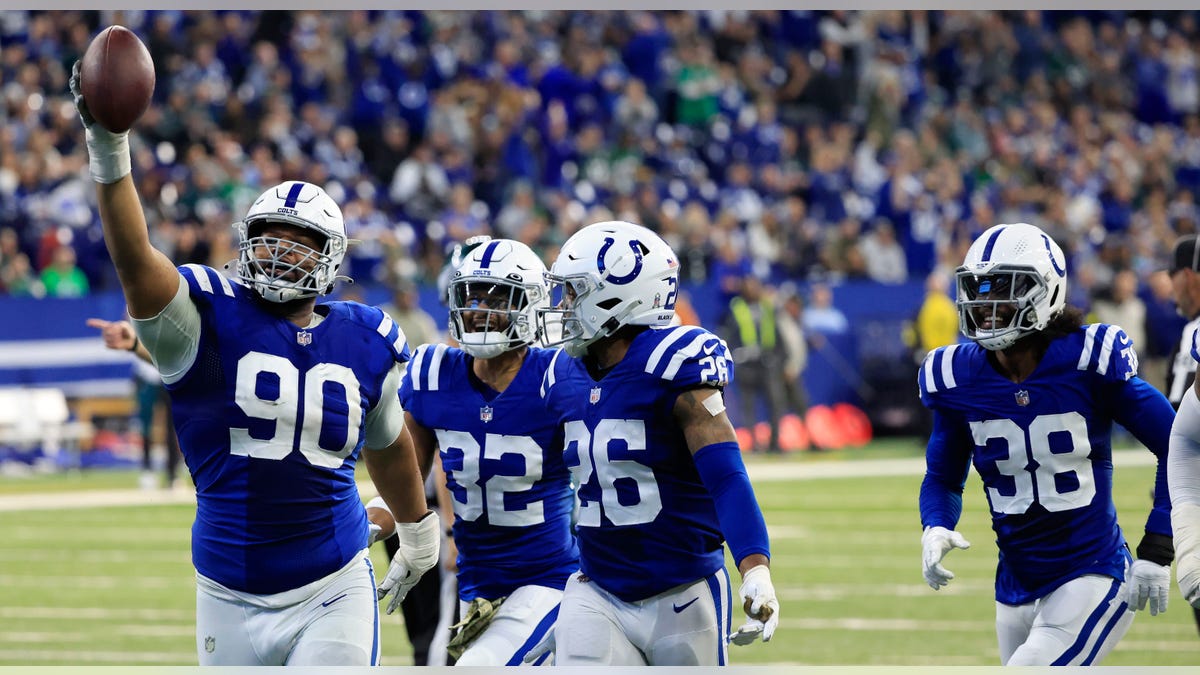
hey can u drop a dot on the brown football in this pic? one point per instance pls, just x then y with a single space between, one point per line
116 78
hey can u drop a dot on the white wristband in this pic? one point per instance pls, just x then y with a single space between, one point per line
108 154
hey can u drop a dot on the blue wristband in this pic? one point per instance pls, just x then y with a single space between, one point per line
723 473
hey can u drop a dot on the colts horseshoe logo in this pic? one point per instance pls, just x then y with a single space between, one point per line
1053 263
636 246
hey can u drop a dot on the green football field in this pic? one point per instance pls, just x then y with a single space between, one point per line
88 584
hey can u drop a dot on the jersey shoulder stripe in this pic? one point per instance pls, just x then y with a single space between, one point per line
375 320
680 355
938 370
204 279
1108 352
549 379
426 367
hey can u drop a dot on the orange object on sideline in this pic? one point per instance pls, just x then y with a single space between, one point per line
855 426
823 428
793 435
745 439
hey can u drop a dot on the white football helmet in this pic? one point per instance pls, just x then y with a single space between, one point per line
291 270
610 274
494 297
1012 284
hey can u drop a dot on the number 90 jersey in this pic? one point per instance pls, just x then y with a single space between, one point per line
504 469
1043 450
271 421
646 523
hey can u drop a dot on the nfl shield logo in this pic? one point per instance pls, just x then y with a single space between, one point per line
210 644
594 396
485 414
1022 398
304 338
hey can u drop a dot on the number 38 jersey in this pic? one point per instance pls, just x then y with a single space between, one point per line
270 419
646 523
504 468
1043 450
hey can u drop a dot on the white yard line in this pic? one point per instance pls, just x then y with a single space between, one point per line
759 472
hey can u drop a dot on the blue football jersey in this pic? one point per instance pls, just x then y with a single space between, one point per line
1043 450
646 522
270 419
504 467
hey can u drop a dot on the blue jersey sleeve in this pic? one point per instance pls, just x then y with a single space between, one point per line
1134 404
376 318
688 357
1109 353
425 373
947 462
205 283
940 372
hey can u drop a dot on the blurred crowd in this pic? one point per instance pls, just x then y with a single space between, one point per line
788 145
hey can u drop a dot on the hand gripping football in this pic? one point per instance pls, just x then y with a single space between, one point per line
116 78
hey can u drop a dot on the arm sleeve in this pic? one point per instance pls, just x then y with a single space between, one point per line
724 475
1183 462
173 336
947 461
1148 415
386 419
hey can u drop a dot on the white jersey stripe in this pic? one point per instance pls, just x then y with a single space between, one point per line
435 366
548 381
385 326
1106 351
1089 343
948 366
201 274
930 383
226 288
684 354
414 367
661 350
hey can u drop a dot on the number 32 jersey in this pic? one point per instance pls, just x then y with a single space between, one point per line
1043 449
503 462
271 421
646 523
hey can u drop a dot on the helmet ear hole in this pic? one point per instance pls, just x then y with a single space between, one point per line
609 303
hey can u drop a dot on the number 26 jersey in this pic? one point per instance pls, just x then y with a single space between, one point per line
646 523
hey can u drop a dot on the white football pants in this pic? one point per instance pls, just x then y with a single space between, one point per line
685 626
521 622
333 621
1077 624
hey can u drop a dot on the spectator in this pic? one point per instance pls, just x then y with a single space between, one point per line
883 255
1122 307
405 309
62 278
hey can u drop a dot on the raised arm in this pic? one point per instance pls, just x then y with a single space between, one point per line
148 277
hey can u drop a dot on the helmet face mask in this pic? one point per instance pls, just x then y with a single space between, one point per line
1012 284
273 259
494 295
609 275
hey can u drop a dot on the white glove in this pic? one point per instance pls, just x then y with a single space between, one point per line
1149 581
108 153
543 647
936 542
373 531
419 543
760 604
